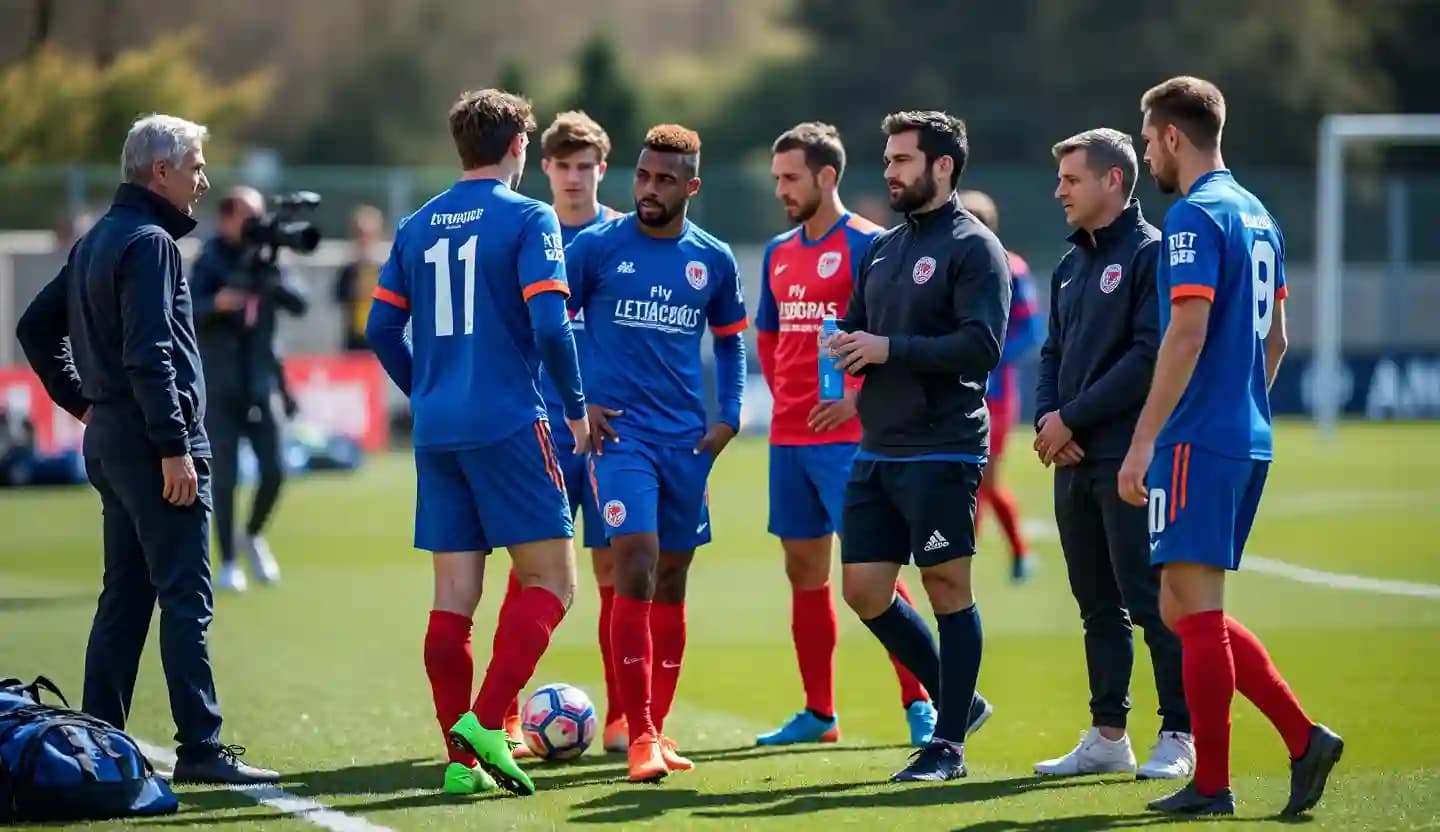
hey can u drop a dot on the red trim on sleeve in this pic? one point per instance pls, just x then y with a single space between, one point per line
1192 290
1281 292
546 286
395 299
730 329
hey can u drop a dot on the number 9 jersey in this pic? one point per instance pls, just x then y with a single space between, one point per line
464 265
1222 244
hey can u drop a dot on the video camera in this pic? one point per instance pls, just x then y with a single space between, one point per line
282 229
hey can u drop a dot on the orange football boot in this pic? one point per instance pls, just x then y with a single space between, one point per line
647 763
670 752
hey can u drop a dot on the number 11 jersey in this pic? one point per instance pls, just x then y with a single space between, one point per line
1223 245
464 265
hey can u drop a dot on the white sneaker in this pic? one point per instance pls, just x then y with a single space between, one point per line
231 578
262 561
1172 757
1093 755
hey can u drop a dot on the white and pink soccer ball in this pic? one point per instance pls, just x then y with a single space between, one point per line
558 722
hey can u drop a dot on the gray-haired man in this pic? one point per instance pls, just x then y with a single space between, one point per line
131 371
1095 370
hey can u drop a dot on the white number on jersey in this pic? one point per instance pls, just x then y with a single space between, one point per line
438 256
1262 272
1157 510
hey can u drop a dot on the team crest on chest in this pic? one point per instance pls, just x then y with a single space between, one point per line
828 264
923 271
696 274
1110 278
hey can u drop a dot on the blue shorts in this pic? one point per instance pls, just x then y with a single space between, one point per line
479 499
581 491
654 489
807 488
1202 505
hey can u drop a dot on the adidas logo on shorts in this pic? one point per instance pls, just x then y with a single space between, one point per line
936 541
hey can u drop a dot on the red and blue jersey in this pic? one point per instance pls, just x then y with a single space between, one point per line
646 303
802 281
1223 245
1021 335
464 266
553 405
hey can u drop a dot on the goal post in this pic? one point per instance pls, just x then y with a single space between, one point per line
1337 132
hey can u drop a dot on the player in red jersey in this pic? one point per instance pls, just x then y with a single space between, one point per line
807 274
1002 396
574 150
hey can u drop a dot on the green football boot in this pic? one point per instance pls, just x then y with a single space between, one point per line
492 749
462 779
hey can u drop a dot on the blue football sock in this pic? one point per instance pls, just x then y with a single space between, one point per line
905 635
960 643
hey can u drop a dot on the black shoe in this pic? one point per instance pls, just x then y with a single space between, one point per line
1308 774
224 767
937 761
1189 801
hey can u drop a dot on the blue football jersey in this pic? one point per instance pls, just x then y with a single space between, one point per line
646 303
1221 244
464 265
553 405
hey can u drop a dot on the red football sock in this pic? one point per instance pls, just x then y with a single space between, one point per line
630 639
910 688
813 626
1208 672
1009 516
667 635
1258 680
613 711
512 590
451 668
521 638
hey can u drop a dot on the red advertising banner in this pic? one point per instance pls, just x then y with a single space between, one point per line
342 394
338 394
23 396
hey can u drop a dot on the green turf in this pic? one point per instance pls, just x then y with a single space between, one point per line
322 677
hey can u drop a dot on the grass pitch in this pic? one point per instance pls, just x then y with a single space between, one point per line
321 676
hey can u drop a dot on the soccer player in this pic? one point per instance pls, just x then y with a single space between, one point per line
479 273
648 282
925 324
1002 393
808 273
574 150
1207 421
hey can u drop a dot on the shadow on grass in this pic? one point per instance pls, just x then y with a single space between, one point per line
633 805
46 601
391 782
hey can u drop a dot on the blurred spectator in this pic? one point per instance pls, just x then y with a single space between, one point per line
356 282
238 296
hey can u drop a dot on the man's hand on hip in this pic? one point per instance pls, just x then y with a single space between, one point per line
600 430
716 439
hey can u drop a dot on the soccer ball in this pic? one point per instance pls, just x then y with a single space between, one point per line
558 722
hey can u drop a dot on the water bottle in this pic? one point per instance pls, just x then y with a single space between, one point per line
832 378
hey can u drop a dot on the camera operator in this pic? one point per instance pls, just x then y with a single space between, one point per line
238 294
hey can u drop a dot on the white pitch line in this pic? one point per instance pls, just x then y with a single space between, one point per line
1039 529
277 798
1338 580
